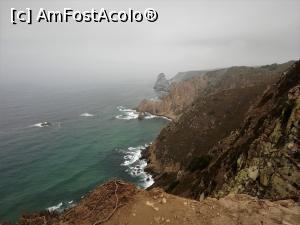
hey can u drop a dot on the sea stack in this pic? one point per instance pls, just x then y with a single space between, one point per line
161 85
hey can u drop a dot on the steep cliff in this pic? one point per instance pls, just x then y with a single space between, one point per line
206 121
231 150
185 87
259 157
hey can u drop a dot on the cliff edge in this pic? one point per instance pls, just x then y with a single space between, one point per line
231 157
121 203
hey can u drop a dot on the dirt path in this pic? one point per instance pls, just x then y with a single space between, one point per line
157 207
119 203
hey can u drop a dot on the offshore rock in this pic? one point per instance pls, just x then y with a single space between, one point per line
162 84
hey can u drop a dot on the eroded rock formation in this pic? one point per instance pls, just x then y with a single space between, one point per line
161 85
259 157
180 91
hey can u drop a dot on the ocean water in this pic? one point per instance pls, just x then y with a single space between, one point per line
94 136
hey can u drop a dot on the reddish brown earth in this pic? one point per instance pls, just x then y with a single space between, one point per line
119 203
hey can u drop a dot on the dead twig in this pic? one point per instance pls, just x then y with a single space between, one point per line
45 223
115 208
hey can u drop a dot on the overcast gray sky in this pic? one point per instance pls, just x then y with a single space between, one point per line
189 35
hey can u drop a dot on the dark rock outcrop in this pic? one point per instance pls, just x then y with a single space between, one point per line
161 85
209 151
207 120
261 159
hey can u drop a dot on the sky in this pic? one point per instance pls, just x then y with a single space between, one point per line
188 35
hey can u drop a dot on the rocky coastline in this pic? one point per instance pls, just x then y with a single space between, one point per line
230 155
258 155
175 95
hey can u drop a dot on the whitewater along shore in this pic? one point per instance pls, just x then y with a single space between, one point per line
231 157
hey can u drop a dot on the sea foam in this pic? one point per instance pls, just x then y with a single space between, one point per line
61 206
132 114
127 114
55 207
87 114
135 166
37 125
42 124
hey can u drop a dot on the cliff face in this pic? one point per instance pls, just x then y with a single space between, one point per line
205 121
259 157
184 88
179 96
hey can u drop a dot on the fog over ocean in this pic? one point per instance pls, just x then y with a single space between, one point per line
68 90
90 139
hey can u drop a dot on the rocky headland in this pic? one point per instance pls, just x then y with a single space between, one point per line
176 94
230 155
240 140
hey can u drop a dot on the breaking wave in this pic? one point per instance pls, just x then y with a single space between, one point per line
55 207
127 114
87 115
61 206
37 125
135 165
131 114
46 124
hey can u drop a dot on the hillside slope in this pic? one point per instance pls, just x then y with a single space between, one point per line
261 158
206 121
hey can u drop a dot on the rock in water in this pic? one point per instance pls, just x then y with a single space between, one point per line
141 116
45 124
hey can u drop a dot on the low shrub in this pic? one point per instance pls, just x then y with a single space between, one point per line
199 163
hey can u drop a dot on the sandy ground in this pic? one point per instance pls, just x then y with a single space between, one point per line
157 207
119 203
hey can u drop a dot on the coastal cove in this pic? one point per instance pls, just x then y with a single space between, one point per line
189 185
93 136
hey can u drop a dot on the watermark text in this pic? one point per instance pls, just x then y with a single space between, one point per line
69 15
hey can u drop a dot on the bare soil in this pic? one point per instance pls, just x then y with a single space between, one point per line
119 203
